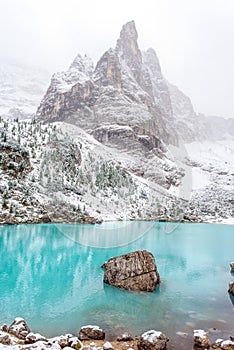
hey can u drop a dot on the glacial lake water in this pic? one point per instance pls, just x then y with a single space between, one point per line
51 275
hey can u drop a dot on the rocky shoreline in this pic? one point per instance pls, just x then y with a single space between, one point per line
18 336
44 219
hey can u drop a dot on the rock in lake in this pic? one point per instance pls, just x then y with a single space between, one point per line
133 271
91 332
152 340
231 288
232 266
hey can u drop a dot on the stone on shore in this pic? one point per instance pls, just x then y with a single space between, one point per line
5 338
201 339
91 332
221 344
107 346
125 337
19 328
133 271
34 337
152 340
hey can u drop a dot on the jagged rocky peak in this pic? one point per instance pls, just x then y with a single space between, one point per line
83 64
122 90
108 70
128 50
160 89
127 44
150 57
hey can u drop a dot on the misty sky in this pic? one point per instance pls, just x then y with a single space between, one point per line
193 39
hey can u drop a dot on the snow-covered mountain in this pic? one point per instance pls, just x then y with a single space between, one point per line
116 141
21 89
191 126
61 173
127 88
120 90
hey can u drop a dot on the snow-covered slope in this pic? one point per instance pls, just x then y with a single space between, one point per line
212 165
61 173
21 88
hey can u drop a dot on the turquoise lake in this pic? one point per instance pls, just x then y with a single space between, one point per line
50 275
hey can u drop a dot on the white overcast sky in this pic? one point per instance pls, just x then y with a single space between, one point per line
194 39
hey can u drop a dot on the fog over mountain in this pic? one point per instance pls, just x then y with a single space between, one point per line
192 39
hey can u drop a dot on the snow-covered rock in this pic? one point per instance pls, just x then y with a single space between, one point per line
19 328
34 337
152 340
91 332
107 346
221 344
13 338
201 339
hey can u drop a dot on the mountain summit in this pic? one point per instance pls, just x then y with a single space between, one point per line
126 88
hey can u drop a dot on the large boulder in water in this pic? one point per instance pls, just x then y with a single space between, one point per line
133 271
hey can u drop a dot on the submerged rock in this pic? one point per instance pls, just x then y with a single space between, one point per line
232 266
152 340
133 271
201 339
91 332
